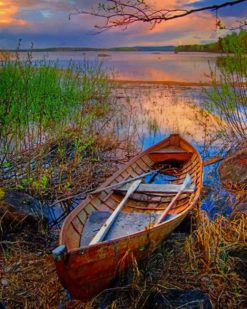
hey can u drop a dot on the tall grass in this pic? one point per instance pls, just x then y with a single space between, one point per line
46 111
38 99
229 99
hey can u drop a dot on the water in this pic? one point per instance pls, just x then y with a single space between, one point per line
144 66
157 110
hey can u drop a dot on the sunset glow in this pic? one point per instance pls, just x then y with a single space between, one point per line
8 11
42 21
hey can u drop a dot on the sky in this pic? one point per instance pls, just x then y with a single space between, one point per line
46 23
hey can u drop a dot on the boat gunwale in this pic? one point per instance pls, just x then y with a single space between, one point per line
77 210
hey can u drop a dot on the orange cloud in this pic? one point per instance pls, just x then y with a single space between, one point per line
8 11
186 30
195 22
199 22
171 4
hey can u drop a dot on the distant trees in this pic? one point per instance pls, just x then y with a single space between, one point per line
212 47
225 44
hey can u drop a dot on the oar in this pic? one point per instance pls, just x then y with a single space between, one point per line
115 185
124 182
187 182
106 226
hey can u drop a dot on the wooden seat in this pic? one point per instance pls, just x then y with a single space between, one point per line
157 188
170 149
170 153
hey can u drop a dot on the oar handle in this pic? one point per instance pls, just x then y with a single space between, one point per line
106 226
164 214
115 185
186 184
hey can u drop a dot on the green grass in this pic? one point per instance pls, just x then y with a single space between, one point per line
38 98
228 101
43 106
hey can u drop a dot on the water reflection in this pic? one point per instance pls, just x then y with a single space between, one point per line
152 112
159 110
144 66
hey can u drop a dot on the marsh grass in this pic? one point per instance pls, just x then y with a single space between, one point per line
39 100
51 121
48 153
212 259
153 126
228 96
212 251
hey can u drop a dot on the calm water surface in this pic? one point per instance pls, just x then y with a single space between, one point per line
144 66
157 110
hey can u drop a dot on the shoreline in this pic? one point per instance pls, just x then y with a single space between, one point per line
170 83
160 82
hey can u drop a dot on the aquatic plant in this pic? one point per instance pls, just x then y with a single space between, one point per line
39 99
153 126
49 119
228 96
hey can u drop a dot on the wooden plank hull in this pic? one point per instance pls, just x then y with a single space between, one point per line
86 271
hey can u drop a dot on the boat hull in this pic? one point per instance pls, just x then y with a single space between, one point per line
88 271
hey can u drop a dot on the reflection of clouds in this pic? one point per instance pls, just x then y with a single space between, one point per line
162 67
145 66
170 109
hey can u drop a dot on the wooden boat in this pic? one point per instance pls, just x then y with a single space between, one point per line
85 270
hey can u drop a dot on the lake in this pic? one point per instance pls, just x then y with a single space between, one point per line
157 110
144 66
157 90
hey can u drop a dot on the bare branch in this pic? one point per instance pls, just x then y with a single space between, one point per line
121 13
241 25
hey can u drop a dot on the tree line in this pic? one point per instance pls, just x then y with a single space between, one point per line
225 44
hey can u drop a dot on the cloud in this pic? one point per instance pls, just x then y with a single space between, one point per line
46 23
238 10
8 11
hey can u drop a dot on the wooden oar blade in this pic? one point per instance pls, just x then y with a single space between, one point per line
187 182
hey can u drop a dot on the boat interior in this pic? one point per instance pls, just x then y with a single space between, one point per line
169 164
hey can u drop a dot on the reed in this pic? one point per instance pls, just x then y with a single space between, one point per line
213 251
212 259
49 120
228 101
